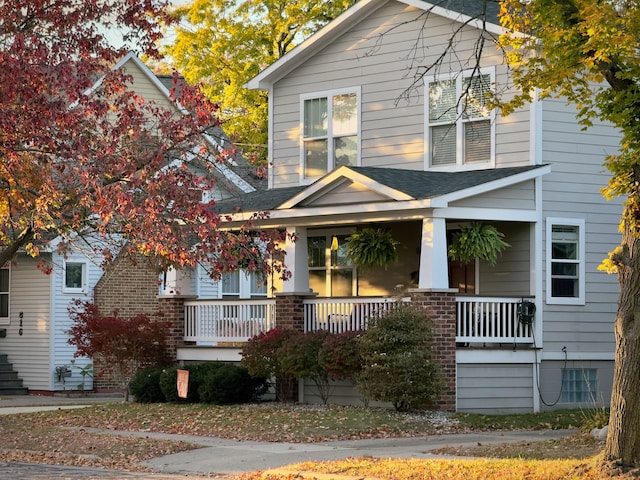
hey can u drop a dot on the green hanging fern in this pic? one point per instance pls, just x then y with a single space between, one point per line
478 240
371 247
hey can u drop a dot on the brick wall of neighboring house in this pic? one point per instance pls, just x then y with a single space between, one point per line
131 288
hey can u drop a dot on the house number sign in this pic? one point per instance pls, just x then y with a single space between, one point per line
20 332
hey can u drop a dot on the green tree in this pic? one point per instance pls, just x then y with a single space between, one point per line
223 44
587 52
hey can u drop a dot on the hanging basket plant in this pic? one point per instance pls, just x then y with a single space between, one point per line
371 247
478 240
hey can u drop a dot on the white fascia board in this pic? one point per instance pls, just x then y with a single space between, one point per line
317 41
233 177
335 177
495 185
495 214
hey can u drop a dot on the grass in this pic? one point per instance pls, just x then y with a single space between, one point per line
64 437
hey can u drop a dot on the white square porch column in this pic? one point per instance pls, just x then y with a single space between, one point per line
434 271
296 261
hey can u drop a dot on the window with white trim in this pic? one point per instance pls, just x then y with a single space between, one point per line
5 275
243 285
565 261
330 125
331 273
74 280
460 124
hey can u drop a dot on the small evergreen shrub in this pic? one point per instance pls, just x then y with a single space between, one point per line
169 383
229 384
396 359
145 386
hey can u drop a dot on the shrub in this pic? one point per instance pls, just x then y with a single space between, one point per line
127 344
396 359
229 383
340 355
145 386
299 358
261 357
169 384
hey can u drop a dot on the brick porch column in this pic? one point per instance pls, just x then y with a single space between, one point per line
290 315
171 315
440 306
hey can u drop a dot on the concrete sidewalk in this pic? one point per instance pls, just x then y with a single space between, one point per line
11 404
228 457
222 457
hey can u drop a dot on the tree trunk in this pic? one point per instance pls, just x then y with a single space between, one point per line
623 441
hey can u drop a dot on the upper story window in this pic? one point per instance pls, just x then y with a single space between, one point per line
74 277
565 261
4 296
460 127
330 125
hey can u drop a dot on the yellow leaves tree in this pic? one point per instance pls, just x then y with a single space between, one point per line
587 52
223 44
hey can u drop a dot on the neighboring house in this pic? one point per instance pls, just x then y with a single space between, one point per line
34 315
347 150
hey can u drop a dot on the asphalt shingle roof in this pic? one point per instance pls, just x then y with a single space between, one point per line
417 184
480 9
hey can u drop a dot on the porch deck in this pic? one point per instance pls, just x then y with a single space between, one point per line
479 320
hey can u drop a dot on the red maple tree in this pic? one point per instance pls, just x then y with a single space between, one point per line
87 161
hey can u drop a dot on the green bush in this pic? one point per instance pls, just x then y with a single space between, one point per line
169 380
145 386
396 359
229 383
213 382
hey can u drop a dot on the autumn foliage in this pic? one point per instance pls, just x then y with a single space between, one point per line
89 162
126 344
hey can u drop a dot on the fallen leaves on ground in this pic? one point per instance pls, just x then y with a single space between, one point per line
67 437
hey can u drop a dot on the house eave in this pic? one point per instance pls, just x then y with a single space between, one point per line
343 23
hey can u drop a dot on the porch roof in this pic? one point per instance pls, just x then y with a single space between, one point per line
414 184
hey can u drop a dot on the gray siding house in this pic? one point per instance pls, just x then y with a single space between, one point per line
355 142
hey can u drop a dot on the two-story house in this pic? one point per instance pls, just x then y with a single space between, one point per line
355 141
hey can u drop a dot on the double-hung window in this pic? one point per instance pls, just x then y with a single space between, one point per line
4 295
330 124
565 261
460 129
75 274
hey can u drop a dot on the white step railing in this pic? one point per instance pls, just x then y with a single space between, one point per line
338 315
220 321
491 320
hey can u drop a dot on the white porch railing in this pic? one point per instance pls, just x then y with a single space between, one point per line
227 320
491 320
339 315
478 319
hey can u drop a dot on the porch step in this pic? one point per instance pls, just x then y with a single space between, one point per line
10 383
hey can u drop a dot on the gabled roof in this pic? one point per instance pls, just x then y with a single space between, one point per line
472 12
236 172
396 185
